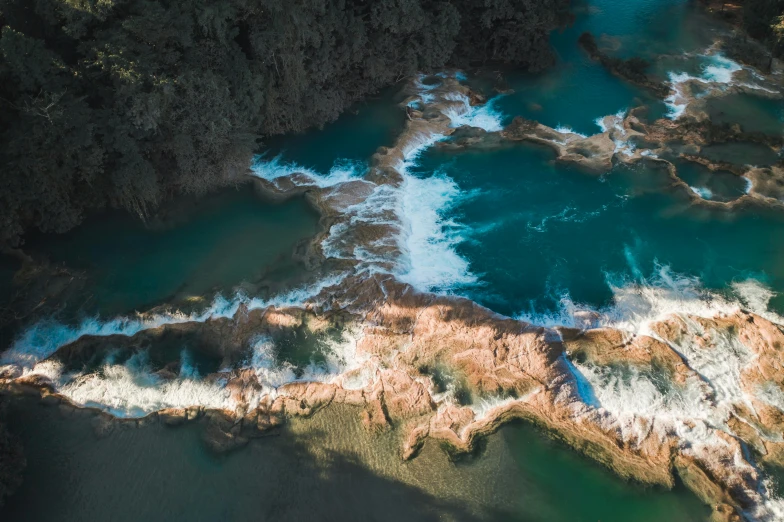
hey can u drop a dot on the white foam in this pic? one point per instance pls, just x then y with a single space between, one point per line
416 146
420 245
484 407
378 208
565 129
635 397
132 390
462 114
638 304
756 298
296 297
340 357
720 69
639 402
703 192
771 509
756 87
677 101
771 393
614 125
277 168
749 185
616 121
270 373
718 73
43 338
419 82
428 238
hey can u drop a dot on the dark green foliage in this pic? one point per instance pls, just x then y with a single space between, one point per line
759 17
124 103
764 20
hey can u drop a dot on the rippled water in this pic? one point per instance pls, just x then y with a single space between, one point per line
534 233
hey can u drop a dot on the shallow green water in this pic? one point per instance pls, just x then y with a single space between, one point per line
752 113
325 468
352 138
197 249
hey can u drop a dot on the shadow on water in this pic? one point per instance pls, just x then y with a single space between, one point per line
741 153
327 467
158 473
714 185
194 249
353 137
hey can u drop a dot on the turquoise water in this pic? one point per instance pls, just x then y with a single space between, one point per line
578 90
534 232
195 250
351 140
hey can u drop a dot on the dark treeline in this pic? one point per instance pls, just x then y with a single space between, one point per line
124 103
764 20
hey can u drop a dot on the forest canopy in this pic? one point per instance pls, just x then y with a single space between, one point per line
124 103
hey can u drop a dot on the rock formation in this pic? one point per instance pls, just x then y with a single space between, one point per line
682 392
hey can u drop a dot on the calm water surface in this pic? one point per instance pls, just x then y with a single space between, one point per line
197 249
324 468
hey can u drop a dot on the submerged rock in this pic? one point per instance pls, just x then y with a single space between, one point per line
633 69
